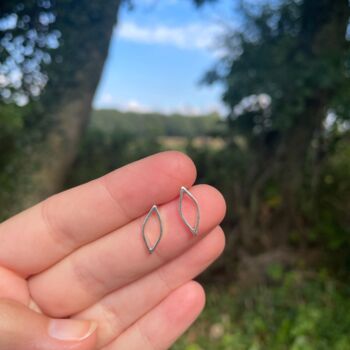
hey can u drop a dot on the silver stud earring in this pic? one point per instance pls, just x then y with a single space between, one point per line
151 248
193 229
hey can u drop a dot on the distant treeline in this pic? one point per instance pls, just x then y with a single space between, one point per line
141 124
116 138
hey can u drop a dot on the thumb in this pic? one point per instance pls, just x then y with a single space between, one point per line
24 329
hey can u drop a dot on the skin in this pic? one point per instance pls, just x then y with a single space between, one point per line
79 256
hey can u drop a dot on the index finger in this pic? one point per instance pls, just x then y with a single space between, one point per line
42 235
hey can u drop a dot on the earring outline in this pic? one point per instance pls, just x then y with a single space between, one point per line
193 229
151 248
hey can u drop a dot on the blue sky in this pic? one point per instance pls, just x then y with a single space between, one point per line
158 54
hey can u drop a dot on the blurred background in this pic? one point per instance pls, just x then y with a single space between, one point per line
256 92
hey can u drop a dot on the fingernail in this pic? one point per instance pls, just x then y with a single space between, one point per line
71 330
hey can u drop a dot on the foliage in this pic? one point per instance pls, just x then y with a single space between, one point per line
79 32
323 216
280 51
286 70
11 144
142 124
27 39
116 138
295 312
328 212
101 153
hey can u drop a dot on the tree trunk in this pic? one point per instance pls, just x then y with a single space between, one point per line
86 27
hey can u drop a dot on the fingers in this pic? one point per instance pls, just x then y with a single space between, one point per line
24 329
121 258
119 310
159 329
13 287
39 237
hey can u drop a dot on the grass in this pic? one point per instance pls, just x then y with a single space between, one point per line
293 312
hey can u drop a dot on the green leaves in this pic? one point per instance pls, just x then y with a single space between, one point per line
296 313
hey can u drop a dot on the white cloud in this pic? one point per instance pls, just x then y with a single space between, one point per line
193 111
191 36
135 106
109 101
106 99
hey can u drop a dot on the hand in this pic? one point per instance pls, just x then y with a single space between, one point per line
77 261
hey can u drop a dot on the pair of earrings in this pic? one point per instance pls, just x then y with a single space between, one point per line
193 229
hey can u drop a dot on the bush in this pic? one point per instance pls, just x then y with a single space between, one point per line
296 313
101 153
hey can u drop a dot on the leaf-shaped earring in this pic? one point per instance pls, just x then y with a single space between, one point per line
149 246
193 229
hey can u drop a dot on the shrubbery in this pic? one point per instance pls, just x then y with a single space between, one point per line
294 312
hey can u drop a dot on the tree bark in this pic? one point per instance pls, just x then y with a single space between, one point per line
86 28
